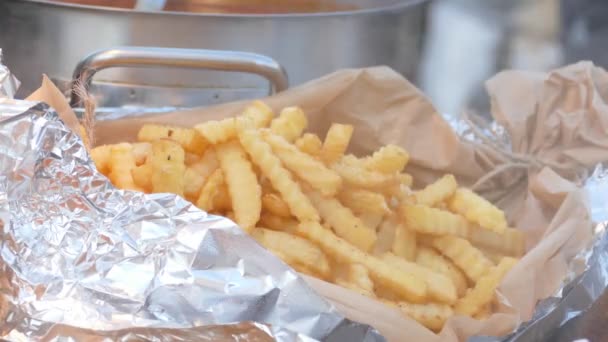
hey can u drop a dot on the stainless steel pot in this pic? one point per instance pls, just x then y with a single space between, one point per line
40 36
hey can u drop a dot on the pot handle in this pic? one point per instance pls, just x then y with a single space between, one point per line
137 57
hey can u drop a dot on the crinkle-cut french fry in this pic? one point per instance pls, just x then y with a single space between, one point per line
270 165
121 164
478 210
101 156
192 158
358 280
290 124
484 289
432 260
439 286
198 172
275 205
217 132
431 315
493 256
309 144
371 220
142 177
404 243
405 285
434 221
358 176
210 190
468 258
167 160
343 221
188 138
222 200
141 151
405 179
336 142
510 241
386 235
388 159
245 192
295 249
307 168
437 192
361 200
274 222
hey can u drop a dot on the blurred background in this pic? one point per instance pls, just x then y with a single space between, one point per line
446 47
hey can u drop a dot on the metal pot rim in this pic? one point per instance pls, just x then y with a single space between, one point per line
397 6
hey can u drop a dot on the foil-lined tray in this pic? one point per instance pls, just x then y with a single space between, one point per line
80 258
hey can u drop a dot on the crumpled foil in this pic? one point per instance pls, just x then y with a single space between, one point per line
8 82
80 259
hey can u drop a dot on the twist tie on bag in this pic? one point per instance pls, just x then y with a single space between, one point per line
482 136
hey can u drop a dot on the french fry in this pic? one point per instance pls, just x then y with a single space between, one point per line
294 249
309 144
437 192
388 159
404 243
432 260
222 200
198 172
336 142
403 284
217 132
478 210
191 158
120 164
431 315
433 221
210 191
343 221
357 279
468 258
141 151
361 200
439 286
142 177
304 166
510 241
484 290
274 222
101 157
167 160
275 205
261 154
245 192
290 124
386 236
188 138
371 220
354 174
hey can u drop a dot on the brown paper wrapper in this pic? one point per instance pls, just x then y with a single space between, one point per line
554 120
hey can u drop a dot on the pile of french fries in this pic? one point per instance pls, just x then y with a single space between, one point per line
354 221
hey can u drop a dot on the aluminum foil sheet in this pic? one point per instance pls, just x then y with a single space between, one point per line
80 259
8 82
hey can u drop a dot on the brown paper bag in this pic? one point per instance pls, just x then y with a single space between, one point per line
557 119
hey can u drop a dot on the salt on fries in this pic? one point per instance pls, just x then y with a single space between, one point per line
432 253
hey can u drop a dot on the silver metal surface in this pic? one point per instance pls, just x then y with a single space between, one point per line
138 57
43 37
